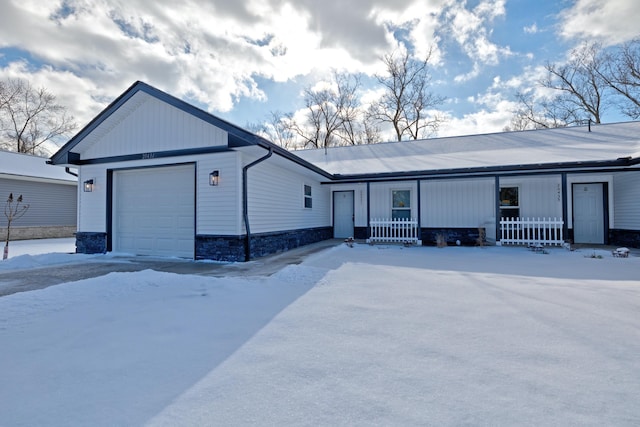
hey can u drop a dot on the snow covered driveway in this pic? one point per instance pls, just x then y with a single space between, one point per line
353 336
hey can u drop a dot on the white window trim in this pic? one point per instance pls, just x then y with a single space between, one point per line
405 208
306 197
519 206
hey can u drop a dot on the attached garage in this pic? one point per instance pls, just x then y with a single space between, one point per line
160 177
154 211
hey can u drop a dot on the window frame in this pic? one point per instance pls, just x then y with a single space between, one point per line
505 208
307 199
402 208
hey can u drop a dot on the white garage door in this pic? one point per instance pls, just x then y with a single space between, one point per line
153 211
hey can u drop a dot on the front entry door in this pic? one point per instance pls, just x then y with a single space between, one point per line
588 213
343 214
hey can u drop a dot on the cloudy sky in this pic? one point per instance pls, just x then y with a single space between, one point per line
241 59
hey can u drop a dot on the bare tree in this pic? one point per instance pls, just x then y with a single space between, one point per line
579 92
407 100
581 89
332 114
349 113
31 117
541 114
622 74
371 132
277 128
12 212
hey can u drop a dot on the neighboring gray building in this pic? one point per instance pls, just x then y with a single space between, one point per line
166 178
50 192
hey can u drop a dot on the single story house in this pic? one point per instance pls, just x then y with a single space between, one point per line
50 192
159 176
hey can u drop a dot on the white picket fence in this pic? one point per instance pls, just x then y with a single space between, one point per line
385 230
531 231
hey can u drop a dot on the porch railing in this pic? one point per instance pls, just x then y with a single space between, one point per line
531 231
384 230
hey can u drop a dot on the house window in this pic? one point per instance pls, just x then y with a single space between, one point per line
509 202
308 202
401 204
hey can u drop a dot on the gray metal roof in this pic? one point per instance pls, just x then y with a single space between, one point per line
526 149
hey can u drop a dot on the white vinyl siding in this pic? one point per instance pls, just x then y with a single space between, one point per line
92 206
627 200
458 203
219 209
151 126
275 199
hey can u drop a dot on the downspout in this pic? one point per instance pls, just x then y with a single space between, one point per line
368 210
497 208
245 202
419 211
68 170
565 206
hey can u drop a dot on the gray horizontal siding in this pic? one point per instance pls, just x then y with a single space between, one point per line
49 204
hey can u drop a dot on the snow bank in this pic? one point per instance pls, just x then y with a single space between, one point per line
375 335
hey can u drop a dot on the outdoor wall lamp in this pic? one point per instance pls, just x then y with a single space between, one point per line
214 178
88 185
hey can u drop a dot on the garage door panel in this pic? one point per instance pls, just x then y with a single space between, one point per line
154 211
126 223
165 222
144 243
166 244
126 243
185 222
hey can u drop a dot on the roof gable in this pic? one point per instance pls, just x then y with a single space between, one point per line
173 123
146 124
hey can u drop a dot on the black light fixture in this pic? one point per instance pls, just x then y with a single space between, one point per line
88 186
214 177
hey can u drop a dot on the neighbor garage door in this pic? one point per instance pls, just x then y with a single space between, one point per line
153 211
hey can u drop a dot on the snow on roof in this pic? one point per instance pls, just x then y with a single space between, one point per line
24 165
535 147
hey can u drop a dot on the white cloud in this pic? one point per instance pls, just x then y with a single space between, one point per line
217 52
471 29
209 52
420 19
493 109
481 121
611 21
475 72
493 114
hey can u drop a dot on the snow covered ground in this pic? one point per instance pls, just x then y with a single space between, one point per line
41 246
370 335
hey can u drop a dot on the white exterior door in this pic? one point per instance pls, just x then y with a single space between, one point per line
588 213
343 214
154 211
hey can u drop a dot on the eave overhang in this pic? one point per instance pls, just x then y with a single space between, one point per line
491 171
